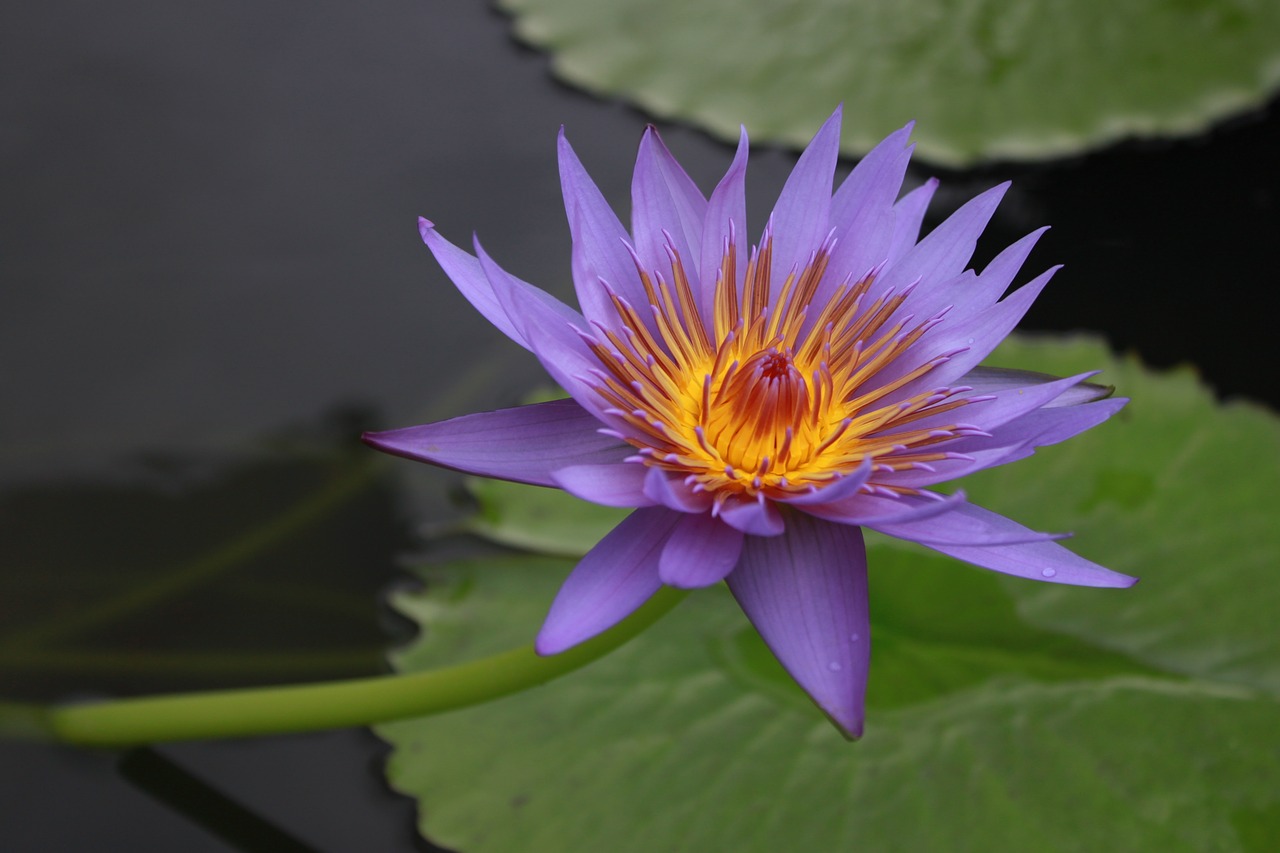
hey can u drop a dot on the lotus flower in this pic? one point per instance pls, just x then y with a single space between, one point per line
757 408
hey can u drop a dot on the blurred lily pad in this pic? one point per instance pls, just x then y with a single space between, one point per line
544 521
125 586
1003 714
985 79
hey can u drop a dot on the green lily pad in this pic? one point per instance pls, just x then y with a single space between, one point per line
544 521
1002 714
985 79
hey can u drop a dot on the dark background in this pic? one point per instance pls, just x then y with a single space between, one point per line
213 281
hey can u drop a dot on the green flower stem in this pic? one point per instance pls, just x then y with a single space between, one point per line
357 702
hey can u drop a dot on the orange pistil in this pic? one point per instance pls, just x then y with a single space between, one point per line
764 402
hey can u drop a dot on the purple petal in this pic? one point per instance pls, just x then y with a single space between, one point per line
670 490
701 551
599 243
836 490
800 217
552 338
1079 395
467 274
870 510
875 182
862 214
1007 401
992 380
942 254
983 332
965 524
998 275
611 581
1042 561
974 337
908 215
1042 427
806 593
857 253
1010 442
755 517
611 484
524 444
971 293
726 219
972 461
665 203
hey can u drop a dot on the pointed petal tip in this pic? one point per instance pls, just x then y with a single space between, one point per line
557 639
427 232
850 727
558 635
397 442
545 646
564 152
810 607
378 440
1112 580
832 124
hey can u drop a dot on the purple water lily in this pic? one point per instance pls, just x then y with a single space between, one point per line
758 407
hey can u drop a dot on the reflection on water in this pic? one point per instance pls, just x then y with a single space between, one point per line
262 569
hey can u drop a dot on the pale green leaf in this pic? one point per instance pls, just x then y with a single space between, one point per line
985 79
545 521
1003 715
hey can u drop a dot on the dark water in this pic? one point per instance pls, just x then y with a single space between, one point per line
212 283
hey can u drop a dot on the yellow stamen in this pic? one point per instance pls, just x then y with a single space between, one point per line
771 396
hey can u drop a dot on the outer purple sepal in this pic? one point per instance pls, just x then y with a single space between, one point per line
525 444
965 525
701 551
468 275
870 510
616 484
990 540
806 593
616 577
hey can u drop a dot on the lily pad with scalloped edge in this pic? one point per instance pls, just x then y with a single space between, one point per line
1003 715
985 79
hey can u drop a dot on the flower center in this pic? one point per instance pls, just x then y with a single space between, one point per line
751 421
772 396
